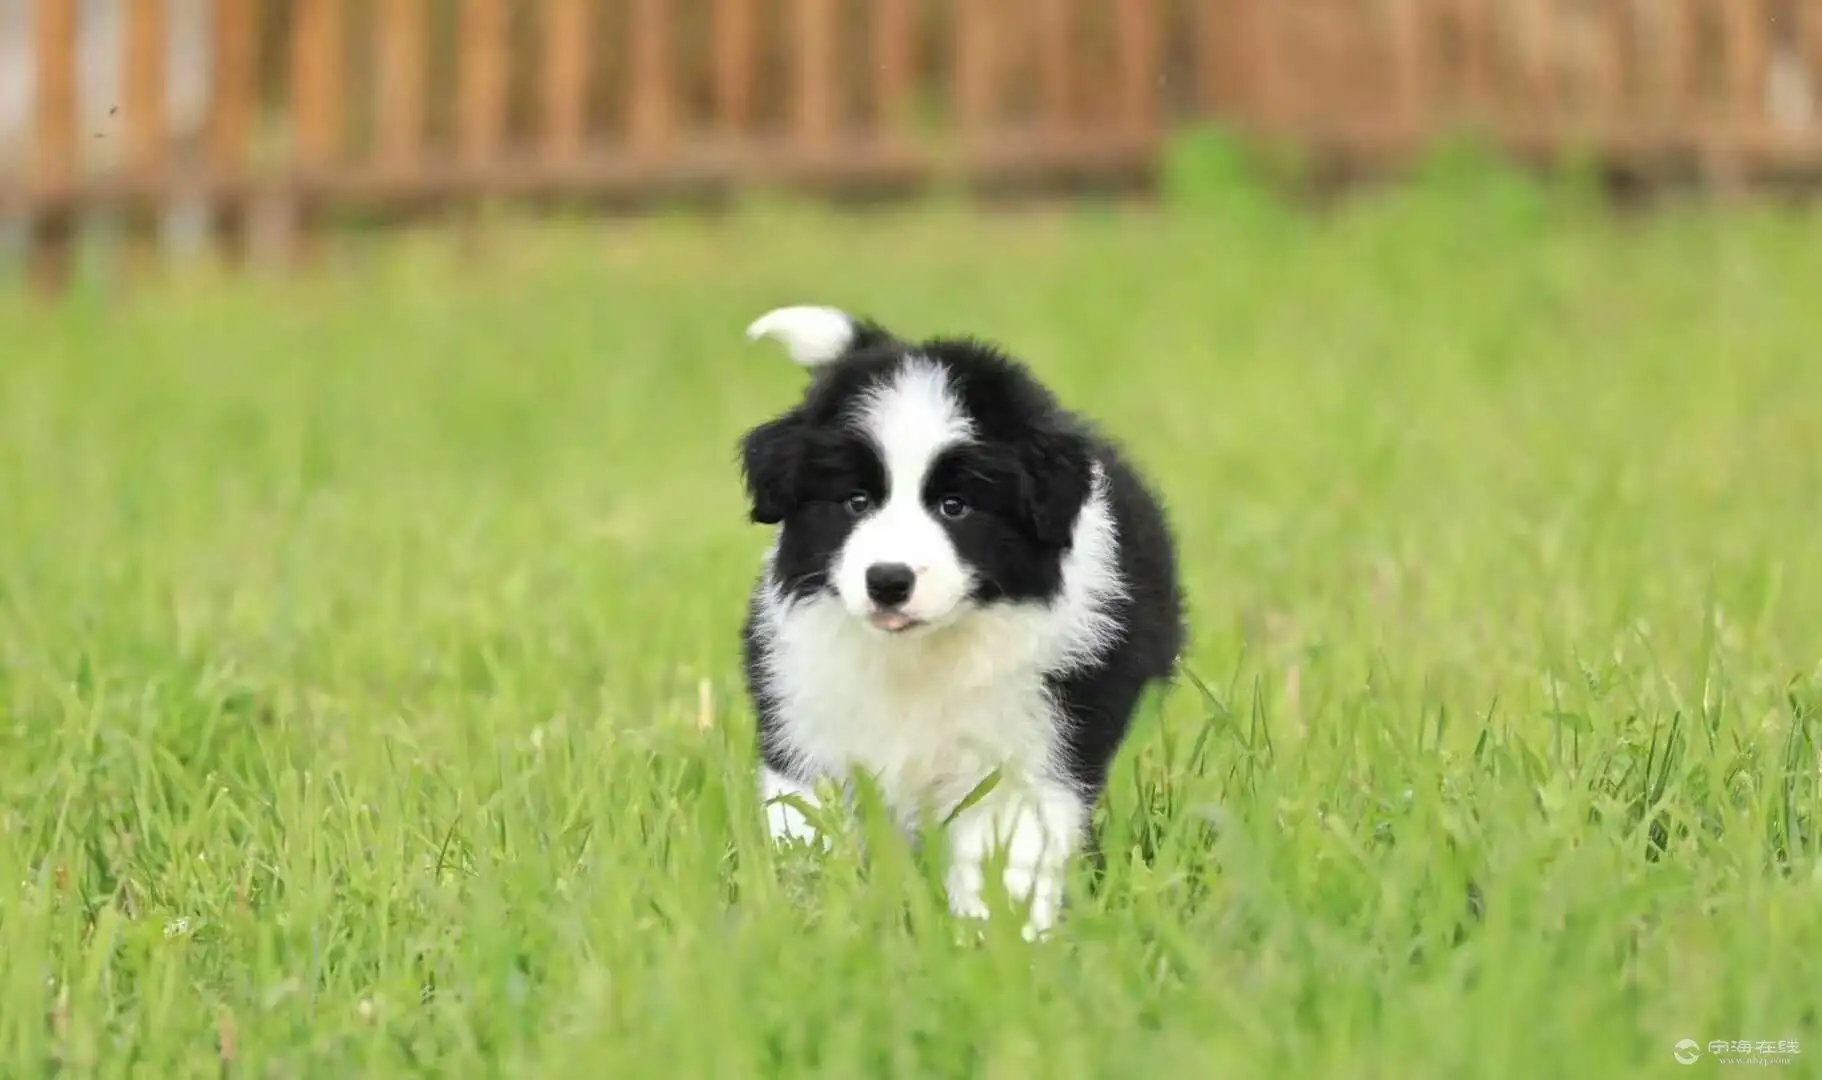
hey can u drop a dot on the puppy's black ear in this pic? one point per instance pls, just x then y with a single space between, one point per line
771 456
1058 477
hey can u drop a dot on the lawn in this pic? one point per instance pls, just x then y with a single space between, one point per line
369 698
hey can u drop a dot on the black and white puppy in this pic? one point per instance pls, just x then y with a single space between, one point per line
966 578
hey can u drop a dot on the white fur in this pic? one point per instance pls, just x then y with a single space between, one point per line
811 334
786 821
912 420
1035 825
929 717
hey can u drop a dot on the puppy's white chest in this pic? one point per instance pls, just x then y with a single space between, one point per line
926 719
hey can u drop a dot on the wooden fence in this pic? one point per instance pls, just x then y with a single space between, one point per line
1728 84
375 104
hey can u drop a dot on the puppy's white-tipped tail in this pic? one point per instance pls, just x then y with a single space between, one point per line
811 334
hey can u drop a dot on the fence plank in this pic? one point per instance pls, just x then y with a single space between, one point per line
230 122
481 80
816 112
1812 38
54 161
1252 51
566 67
147 118
317 79
650 111
1745 29
1546 42
734 40
145 110
1475 29
233 98
1327 91
974 47
894 63
1265 39
54 157
1056 58
1810 63
1615 55
400 50
1410 61
1671 93
1136 34
1213 53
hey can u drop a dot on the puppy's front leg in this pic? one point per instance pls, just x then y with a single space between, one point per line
1035 827
786 822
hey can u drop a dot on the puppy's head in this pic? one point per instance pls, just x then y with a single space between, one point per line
915 482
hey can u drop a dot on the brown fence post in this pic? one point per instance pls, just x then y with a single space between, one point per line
146 118
1475 30
733 33
566 62
1748 30
1545 70
814 30
146 123
1212 25
895 65
317 78
230 123
480 106
54 164
481 75
1263 41
650 108
1411 74
1671 93
1744 27
1610 79
1812 44
1056 60
1136 38
974 43
400 49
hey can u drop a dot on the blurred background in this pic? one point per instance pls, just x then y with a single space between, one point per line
253 122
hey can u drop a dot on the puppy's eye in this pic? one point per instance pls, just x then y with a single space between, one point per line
857 503
953 507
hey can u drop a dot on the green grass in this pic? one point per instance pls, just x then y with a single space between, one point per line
369 698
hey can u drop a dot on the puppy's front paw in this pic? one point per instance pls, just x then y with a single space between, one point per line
1043 890
967 899
966 886
785 804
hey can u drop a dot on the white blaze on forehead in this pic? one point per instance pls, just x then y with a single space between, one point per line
911 420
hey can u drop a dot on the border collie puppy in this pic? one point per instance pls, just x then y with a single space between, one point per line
965 579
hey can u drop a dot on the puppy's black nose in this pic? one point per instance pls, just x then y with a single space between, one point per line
889 583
